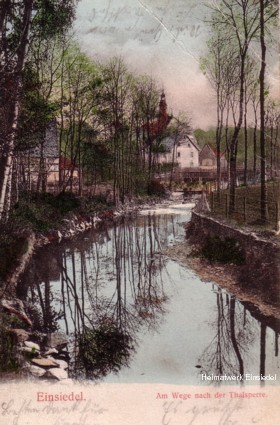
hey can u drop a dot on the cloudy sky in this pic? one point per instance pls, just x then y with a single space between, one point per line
161 38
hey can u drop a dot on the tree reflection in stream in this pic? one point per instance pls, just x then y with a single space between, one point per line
236 333
110 285
109 291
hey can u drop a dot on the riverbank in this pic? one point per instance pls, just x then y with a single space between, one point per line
224 275
20 345
37 223
44 350
250 271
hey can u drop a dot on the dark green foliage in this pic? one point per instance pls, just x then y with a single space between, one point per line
8 346
34 215
209 137
158 148
95 204
168 166
224 251
35 112
64 202
43 211
103 350
156 188
53 17
11 248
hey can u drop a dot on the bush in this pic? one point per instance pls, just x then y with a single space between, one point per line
224 251
156 188
65 202
8 346
103 350
43 211
11 248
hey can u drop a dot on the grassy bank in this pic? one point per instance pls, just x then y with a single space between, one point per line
247 210
40 214
44 214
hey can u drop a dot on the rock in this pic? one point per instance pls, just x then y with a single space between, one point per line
51 358
57 340
45 362
32 345
21 334
62 364
63 356
51 351
57 373
36 371
29 350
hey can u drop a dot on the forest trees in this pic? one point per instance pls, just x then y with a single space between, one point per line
238 28
21 24
102 114
100 111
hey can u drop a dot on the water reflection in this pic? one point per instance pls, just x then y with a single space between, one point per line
118 298
100 290
236 331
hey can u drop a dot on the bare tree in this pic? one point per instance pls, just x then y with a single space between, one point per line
20 24
221 67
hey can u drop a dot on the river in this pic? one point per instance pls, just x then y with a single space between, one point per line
131 314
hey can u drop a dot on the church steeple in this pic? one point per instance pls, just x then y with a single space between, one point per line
159 125
162 106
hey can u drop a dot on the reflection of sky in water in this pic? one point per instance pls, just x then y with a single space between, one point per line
179 325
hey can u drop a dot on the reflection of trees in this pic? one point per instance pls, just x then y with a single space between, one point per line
233 336
236 331
110 285
262 350
43 270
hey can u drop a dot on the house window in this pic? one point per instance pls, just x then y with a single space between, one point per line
191 154
178 154
191 163
189 145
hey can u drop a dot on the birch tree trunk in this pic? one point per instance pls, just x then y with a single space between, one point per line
13 115
263 197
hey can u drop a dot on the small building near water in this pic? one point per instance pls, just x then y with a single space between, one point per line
208 158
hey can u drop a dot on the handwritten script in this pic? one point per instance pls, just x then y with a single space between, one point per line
177 412
75 413
143 22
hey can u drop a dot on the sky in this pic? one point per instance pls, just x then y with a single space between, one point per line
160 38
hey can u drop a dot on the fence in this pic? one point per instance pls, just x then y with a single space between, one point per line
247 207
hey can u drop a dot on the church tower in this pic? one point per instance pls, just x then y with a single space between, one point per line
163 107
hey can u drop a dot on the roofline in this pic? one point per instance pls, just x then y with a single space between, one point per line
194 143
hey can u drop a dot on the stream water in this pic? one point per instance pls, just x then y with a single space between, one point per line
132 314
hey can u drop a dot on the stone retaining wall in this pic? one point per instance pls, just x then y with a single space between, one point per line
262 255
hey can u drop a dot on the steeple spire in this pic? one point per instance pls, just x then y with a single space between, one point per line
162 105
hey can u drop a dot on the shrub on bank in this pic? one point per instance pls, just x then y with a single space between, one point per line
155 188
11 248
224 251
43 212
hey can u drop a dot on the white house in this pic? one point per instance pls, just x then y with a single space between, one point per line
184 152
187 154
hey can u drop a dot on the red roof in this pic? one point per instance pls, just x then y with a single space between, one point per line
157 126
66 164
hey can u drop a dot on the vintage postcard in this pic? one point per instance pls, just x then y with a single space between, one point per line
139 212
